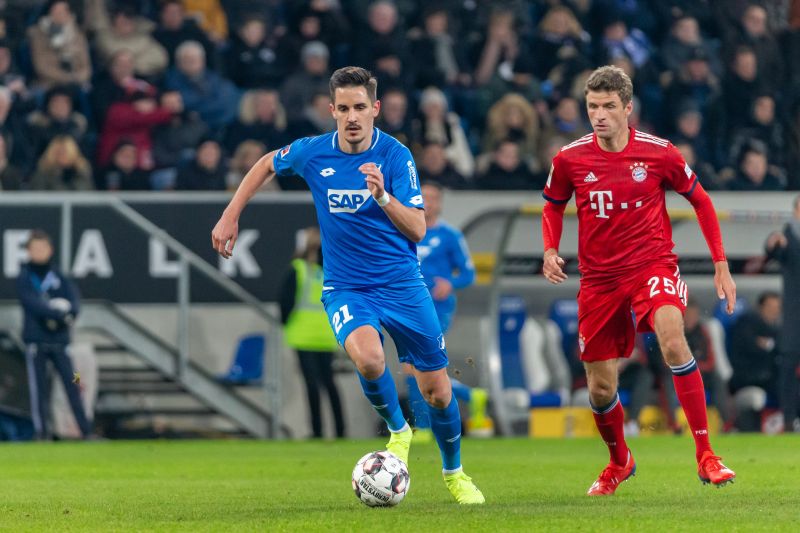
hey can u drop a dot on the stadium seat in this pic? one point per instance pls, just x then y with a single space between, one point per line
247 367
564 314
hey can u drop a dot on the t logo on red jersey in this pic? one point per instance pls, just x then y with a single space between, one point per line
601 200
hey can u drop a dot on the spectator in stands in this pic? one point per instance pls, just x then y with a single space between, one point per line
11 177
689 129
307 331
211 17
214 98
50 303
127 31
394 118
763 126
322 21
753 353
123 172
500 49
115 84
706 173
13 129
261 118
742 86
134 119
754 172
515 119
699 340
176 28
685 41
436 124
10 76
620 41
311 78
435 166
252 60
566 122
245 156
561 48
507 170
784 247
755 33
694 85
206 172
174 142
383 34
57 118
316 118
446 63
59 50
62 168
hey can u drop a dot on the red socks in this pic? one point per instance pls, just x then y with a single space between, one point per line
609 421
692 395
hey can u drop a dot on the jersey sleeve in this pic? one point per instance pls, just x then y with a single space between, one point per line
678 175
462 261
403 179
558 189
290 159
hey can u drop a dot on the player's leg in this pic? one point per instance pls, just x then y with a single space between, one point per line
36 363
606 334
419 408
668 324
66 371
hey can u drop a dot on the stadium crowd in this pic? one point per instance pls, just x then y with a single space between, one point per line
187 94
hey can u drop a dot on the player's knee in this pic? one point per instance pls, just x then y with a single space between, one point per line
370 365
438 396
675 350
602 392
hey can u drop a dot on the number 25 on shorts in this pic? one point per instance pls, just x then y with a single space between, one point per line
340 318
668 286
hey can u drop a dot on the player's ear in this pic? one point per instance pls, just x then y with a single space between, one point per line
376 108
629 108
333 108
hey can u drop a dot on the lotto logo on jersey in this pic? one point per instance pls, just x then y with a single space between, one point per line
346 200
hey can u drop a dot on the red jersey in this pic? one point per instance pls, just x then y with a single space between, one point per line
622 214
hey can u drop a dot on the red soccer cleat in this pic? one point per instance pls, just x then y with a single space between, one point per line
711 470
611 477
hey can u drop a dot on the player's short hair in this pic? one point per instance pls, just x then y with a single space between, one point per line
610 79
38 235
354 77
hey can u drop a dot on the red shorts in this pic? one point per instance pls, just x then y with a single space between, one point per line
605 322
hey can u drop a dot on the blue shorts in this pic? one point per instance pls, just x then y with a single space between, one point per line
405 309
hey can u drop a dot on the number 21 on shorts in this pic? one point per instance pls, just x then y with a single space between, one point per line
659 283
340 318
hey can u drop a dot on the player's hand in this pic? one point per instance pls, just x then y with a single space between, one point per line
726 288
224 235
553 267
374 178
442 288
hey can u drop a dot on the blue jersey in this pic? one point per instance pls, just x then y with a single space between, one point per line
442 253
361 246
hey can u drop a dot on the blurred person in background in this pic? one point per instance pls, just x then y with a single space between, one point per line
307 331
435 123
206 172
513 118
124 29
115 83
246 155
754 172
262 117
58 117
507 171
59 50
123 172
434 166
62 167
50 303
11 177
754 358
447 267
784 247
394 118
252 59
309 79
175 28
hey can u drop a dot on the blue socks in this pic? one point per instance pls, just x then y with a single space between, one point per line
419 407
446 426
461 391
382 394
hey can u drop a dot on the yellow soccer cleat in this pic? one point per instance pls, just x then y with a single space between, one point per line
399 444
463 489
423 436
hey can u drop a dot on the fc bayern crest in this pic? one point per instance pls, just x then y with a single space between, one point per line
639 171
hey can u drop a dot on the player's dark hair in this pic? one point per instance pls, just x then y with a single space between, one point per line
766 295
354 77
38 235
610 79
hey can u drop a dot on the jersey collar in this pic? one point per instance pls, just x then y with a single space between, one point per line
376 135
631 133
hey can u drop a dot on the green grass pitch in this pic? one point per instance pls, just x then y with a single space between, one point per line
305 486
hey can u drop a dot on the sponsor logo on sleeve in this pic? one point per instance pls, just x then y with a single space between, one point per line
347 200
687 169
285 150
412 174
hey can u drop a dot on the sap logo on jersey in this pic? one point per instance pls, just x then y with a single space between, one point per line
346 200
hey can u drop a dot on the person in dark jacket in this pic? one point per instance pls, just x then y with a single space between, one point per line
306 329
784 247
50 303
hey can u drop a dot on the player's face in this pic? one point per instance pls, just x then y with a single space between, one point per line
609 117
40 251
355 114
432 197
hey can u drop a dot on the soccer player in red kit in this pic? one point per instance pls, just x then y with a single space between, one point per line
618 176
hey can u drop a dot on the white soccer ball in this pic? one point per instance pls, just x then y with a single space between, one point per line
380 479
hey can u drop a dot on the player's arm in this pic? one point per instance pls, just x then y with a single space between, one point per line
709 225
224 235
409 220
463 264
557 193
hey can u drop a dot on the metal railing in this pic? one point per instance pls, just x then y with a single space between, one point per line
187 259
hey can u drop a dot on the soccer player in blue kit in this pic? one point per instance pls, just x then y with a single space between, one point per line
367 196
447 267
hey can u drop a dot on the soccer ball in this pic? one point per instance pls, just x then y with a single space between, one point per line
380 479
